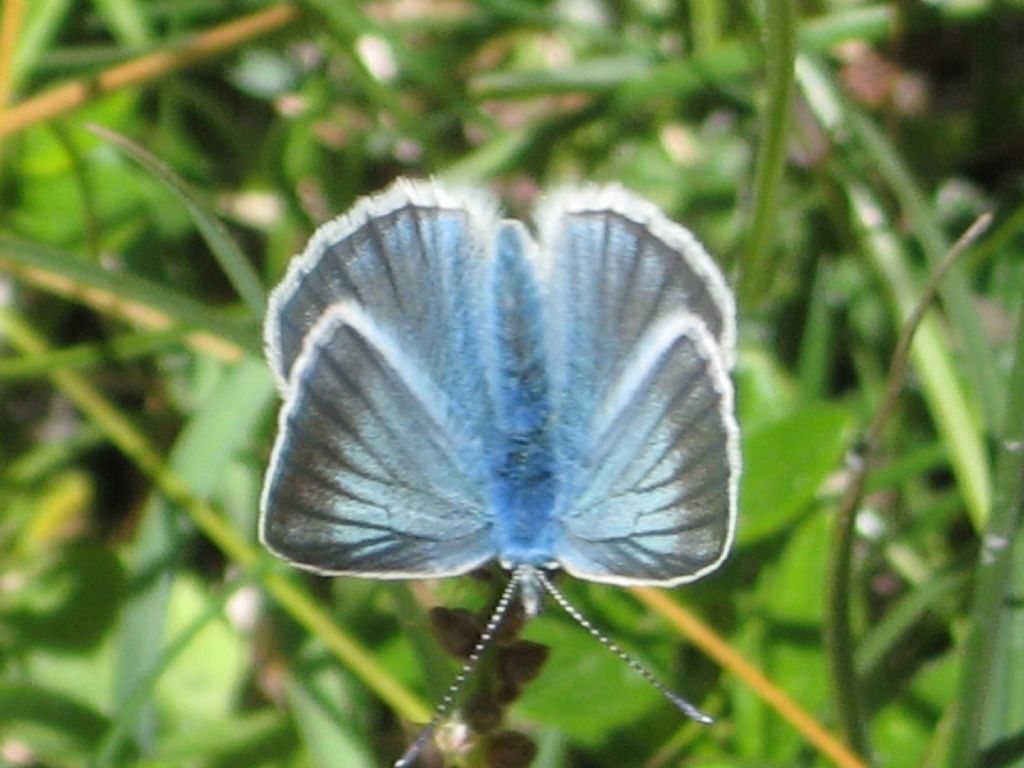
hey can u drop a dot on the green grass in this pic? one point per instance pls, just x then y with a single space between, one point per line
827 153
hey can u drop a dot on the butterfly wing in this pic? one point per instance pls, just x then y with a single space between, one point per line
640 343
411 255
370 473
373 336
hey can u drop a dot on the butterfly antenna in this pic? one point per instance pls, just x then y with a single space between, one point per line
681 704
444 707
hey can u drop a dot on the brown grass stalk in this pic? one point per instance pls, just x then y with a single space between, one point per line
185 53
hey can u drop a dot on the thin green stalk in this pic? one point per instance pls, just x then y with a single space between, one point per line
839 635
920 339
931 354
987 666
706 23
980 367
815 361
761 260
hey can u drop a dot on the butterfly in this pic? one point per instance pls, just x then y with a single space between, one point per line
458 389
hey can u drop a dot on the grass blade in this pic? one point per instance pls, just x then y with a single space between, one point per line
955 290
761 260
74 94
940 383
989 655
230 257
126 296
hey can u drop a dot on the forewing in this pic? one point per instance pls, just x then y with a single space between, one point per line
371 473
614 265
411 256
650 496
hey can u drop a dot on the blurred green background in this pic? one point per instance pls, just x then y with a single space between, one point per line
827 152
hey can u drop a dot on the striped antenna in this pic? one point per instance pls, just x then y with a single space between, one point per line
681 704
444 707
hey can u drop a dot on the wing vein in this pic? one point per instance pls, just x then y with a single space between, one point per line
423 413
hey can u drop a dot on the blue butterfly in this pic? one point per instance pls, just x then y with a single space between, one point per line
457 390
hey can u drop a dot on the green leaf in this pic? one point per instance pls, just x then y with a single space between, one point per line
208 443
785 464
67 605
792 591
331 737
55 727
203 680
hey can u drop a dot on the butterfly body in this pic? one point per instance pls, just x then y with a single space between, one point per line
523 476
